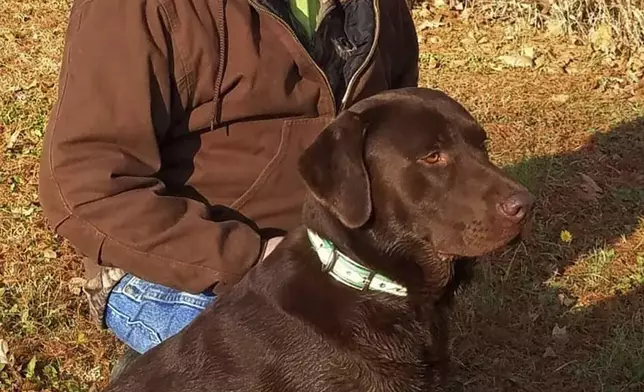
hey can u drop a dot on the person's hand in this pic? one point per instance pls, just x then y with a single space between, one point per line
271 244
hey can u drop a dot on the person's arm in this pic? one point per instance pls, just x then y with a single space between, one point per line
407 66
97 181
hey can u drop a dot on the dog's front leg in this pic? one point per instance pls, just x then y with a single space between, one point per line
437 355
435 343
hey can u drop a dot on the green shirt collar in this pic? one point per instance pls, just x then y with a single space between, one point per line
306 13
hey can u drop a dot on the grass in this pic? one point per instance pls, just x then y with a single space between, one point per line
610 25
563 311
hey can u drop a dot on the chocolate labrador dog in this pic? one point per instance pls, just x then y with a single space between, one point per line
401 198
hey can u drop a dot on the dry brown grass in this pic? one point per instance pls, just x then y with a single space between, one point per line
619 24
570 113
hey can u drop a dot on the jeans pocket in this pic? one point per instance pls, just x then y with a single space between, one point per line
143 314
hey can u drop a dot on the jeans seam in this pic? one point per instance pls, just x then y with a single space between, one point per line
139 323
123 286
146 291
175 299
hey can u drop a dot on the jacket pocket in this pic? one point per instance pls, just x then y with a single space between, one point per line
266 173
276 196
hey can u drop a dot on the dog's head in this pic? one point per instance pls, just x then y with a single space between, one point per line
409 170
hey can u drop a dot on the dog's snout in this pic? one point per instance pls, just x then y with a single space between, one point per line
517 206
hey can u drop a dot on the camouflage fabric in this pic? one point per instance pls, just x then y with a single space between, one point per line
97 289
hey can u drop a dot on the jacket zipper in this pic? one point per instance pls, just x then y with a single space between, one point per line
356 74
292 33
347 93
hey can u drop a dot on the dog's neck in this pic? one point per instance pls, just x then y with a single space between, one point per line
320 221
349 272
364 246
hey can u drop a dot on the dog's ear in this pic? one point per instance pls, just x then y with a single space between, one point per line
333 169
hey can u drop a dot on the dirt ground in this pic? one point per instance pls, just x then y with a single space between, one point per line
562 311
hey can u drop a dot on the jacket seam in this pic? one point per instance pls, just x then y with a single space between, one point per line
221 64
63 91
185 77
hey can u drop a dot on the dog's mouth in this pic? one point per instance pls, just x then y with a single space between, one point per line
510 240
507 238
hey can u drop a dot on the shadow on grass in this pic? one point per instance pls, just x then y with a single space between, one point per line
551 315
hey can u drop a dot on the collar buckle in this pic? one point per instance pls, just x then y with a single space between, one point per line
331 264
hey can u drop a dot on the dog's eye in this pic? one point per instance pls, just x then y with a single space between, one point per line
432 158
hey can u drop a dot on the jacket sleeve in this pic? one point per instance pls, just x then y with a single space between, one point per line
101 154
407 67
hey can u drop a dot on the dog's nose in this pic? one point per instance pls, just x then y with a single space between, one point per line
517 206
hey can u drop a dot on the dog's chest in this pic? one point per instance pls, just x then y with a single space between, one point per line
393 359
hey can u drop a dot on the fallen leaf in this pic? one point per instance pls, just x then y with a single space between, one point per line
49 254
566 300
23 88
516 60
76 285
468 41
632 77
528 51
549 353
460 63
24 211
429 24
565 236
534 316
540 61
602 38
555 28
6 358
560 98
560 333
465 14
590 190
433 63
571 69
424 26
13 139
554 70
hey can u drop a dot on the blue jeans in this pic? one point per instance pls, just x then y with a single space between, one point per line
143 314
